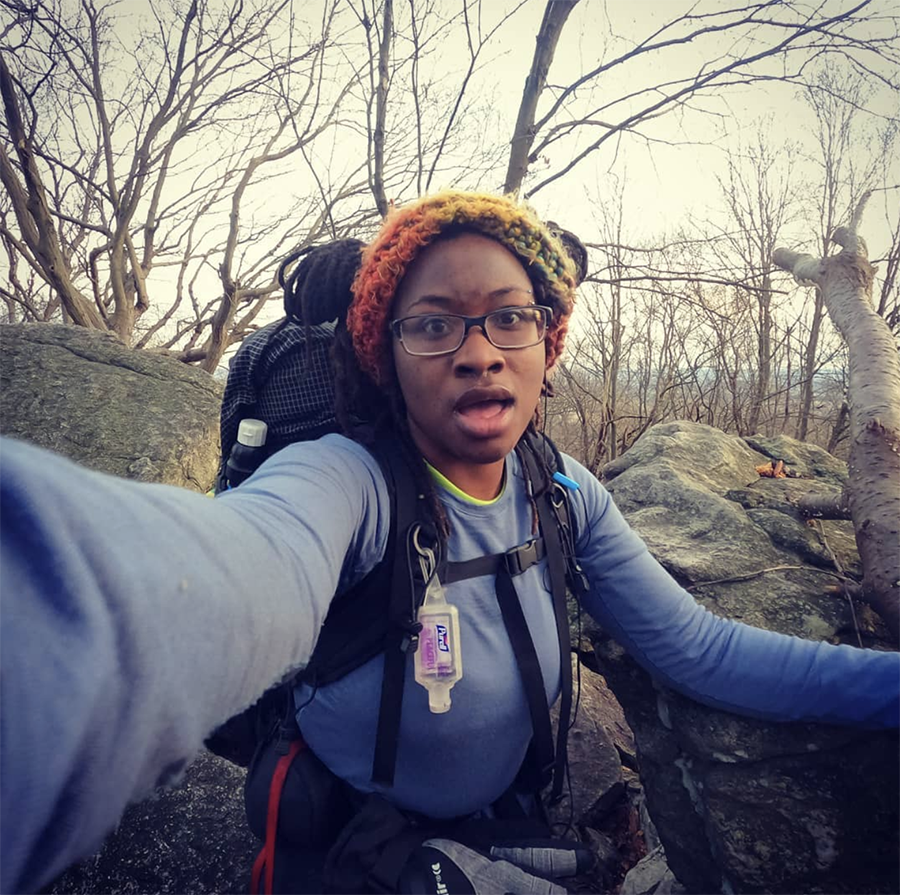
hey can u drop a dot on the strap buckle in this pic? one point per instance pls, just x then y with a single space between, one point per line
410 640
523 557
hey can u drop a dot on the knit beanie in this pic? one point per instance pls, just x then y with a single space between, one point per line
410 228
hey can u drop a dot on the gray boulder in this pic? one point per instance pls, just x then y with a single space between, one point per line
595 760
651 876
190 838
741 805
130 413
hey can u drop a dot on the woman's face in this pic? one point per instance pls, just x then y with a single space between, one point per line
469 408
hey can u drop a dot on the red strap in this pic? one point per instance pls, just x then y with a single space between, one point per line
266 857
258 865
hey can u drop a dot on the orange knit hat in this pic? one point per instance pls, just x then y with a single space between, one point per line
409 228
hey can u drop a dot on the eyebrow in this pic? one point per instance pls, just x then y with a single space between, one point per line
445 301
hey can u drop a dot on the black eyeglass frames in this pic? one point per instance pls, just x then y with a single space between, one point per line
427 335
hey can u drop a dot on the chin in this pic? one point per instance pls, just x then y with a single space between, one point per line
489 451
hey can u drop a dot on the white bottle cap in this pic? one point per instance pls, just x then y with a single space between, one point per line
252 433
439 698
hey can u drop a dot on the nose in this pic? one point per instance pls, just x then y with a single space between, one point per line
477 356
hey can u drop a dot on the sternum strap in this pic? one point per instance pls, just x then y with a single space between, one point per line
516 561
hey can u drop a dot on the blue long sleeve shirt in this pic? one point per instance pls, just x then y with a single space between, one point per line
135 618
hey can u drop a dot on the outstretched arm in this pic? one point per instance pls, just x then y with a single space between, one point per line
135 618
719 662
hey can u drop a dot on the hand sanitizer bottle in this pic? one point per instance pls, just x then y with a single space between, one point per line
438 659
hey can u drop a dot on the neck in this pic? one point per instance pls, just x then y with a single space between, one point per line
481 481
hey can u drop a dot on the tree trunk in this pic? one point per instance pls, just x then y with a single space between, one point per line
839 427
763 355
384 52
217 342
32 212
807 388
555 15
845 281
830 506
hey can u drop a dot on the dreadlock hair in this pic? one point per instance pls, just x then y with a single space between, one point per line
318 288
367 385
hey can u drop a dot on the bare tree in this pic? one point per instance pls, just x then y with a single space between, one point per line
760 202
846 174
444 132
584 115
30 204
845 283
556 14
113 176
889 294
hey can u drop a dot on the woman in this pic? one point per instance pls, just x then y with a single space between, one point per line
203 603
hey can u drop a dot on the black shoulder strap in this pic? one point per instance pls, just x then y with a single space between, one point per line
403 602
530 671
554 518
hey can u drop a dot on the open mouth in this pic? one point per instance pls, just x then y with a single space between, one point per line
485 410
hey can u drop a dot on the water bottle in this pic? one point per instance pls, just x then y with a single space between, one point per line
247 452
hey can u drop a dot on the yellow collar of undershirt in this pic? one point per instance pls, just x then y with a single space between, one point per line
455 490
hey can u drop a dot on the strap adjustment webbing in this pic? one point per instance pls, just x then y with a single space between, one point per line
516 561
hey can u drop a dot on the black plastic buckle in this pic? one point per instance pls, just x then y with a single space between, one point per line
410 641
521 558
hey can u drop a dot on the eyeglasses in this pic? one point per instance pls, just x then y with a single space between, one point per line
427 335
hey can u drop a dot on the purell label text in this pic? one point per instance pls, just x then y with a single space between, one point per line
426 645
438 880
443 643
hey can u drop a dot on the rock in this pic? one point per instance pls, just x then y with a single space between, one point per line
704 526
595 767
604 874
741 805
673 494
190 838
716 460
651 876
130 413
648 828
